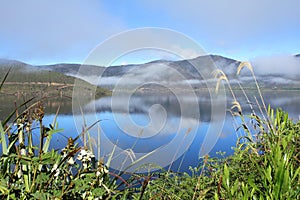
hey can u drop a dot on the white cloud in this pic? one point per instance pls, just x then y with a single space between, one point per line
53 29
278 64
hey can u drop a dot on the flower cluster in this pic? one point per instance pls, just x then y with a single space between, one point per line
102 169
56 169
65 151
86 157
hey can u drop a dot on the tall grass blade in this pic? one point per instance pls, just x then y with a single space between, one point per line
110 156
139 160
249 66
4 79
86 130
3 140
51 132
90 142
13 112
131 165
49 137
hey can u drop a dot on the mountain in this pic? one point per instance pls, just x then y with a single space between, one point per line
196 72
10 63
155 71
176 74
24 81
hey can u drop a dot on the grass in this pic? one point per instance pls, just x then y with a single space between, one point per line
265 163
22 83
25 81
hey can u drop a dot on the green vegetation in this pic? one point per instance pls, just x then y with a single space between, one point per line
23 73
31 172
265 163
24 82
31 81
265 167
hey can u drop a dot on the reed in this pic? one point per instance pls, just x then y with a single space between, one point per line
265 163
33 171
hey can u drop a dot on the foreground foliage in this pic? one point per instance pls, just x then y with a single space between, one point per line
265 167
31 172
265 164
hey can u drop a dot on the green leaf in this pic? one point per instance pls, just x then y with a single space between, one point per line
226 176
49 137
3 140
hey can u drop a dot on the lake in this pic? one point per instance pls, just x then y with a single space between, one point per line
162 129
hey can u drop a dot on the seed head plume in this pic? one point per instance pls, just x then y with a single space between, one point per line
249 66
242 65
220 75
236 104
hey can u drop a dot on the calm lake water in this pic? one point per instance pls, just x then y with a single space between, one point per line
156 128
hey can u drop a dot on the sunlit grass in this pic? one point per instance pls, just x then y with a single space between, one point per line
265 163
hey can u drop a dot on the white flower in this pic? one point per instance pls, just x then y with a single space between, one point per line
20 125
54 167
105 170
100 181
85 156
57 171
71 161
84 195
84 165
19 174
23 152
82 154
64 154
90 155
98 173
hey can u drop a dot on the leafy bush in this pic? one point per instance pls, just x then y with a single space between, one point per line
265 168
265 164
29 172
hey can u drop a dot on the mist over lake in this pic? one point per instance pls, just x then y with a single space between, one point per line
143 140
163 108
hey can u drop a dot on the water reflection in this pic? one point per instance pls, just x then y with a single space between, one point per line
180 132
185 132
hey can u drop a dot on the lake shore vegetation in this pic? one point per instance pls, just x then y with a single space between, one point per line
265 163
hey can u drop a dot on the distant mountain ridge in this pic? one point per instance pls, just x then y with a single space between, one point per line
185 67
162 71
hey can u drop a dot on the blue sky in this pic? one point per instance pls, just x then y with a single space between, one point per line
44 32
